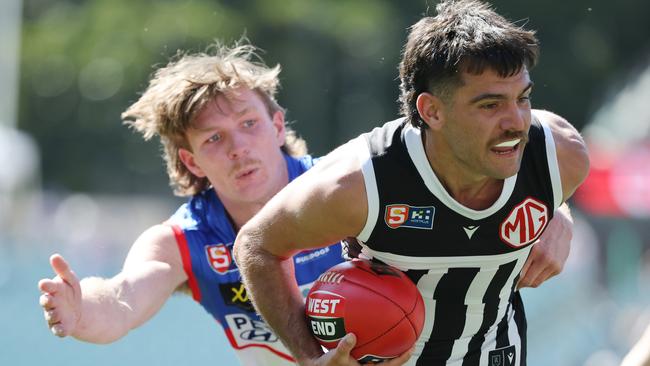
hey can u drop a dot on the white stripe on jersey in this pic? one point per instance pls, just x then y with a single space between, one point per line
415 148
513 336
506 291
361 145
427 284
404 262
553 166
474 314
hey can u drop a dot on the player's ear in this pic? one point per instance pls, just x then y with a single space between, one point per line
187 158
278 125
430 108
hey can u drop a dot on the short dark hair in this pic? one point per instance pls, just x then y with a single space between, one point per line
464 36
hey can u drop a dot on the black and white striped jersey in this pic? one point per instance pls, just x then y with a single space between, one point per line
465 262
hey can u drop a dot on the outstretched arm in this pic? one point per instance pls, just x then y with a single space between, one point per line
102 310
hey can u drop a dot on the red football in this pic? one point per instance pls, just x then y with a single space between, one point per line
378 303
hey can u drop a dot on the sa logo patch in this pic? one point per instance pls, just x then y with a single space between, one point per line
415 217
525 223
219 257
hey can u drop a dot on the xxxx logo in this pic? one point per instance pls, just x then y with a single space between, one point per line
235 294
525 223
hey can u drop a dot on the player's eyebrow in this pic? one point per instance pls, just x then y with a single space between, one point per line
238 114
483 96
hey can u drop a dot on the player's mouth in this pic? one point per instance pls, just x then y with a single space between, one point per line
245 173
507 147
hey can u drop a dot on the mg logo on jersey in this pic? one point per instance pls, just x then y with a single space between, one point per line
218 257
524 224
416 217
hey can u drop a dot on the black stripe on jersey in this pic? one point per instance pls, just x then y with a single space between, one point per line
502 274
520 320
450 315
415 274
502 331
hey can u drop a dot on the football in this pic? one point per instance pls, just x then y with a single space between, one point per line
376 302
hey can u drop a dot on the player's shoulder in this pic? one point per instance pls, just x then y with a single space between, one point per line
297 165
336 175
158 243
161 235
201 212
571 150
342 162
556 123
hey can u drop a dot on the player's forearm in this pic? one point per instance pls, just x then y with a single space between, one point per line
565 211
104 315
564 221
280 302
112 307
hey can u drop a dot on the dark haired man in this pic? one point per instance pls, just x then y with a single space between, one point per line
455 194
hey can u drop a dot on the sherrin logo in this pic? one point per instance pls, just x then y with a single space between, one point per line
330 277
325 310
525 223
219 257
416 217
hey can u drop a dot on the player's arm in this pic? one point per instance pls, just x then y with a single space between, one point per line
103 310
322 206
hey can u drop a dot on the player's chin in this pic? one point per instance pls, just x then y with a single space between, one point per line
251 185
254 192
503 169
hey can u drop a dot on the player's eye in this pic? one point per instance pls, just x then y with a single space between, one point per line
249 123
214 138
489 106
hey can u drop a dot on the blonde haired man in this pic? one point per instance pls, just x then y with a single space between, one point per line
226 146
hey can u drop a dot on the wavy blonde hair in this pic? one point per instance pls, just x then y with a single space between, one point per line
178 91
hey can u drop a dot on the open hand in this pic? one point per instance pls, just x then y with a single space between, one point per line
61 298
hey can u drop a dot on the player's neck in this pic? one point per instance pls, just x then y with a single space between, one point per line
240 213
477 196
474 191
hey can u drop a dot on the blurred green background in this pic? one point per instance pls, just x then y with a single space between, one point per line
75 181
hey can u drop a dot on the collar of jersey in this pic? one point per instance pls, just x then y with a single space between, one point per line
418 156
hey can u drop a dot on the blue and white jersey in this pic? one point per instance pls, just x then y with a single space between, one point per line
205 237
